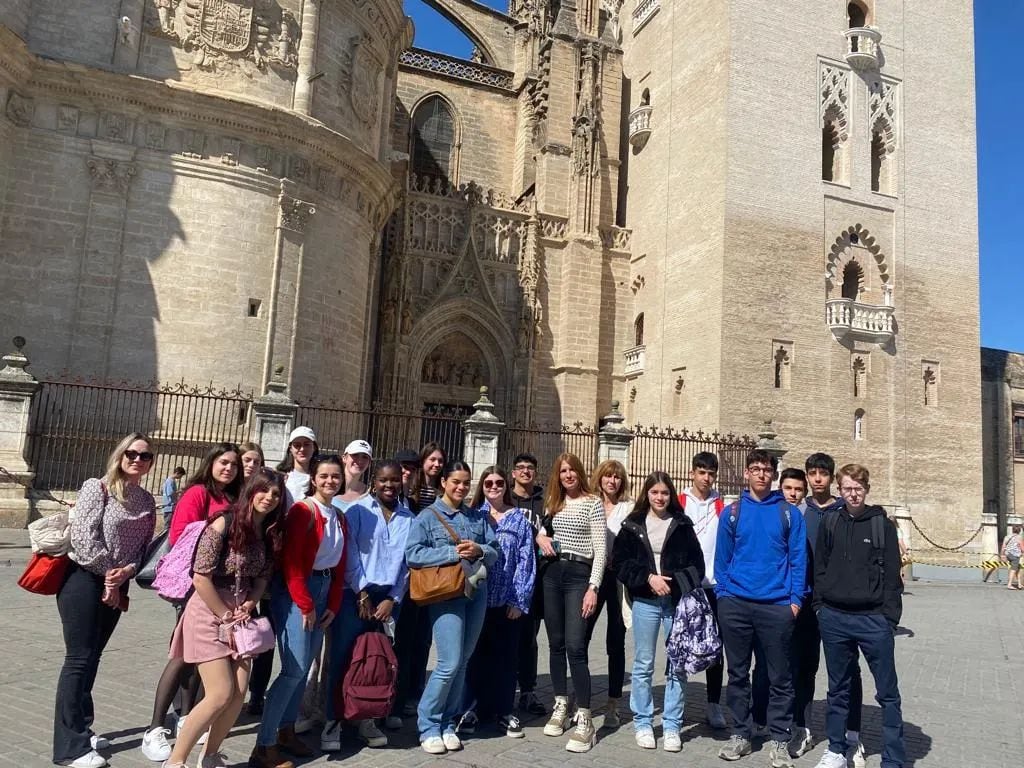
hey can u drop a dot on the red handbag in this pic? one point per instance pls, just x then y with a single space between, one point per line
44 574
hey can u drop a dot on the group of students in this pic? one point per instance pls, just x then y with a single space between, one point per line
326 556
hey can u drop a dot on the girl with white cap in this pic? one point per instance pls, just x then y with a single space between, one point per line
302 448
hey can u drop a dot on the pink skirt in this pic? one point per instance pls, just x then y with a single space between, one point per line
196 638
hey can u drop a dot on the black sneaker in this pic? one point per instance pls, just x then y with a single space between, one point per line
528 702
512 727
467 724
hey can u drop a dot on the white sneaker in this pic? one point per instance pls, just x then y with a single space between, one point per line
393 723
99 742
371 734
451 742
716 717
645 738
434 745
831 760
90 760
155 746
856 756
179 725
671 742
330 739
559 714
203 737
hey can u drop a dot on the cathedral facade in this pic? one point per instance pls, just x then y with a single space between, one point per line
714 213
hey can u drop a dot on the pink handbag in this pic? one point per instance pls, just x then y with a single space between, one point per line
250 638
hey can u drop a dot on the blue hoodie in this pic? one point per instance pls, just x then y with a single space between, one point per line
754 560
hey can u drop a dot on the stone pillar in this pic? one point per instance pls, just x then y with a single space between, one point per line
480 443
766 441
989 534
274 418
614 437
16 389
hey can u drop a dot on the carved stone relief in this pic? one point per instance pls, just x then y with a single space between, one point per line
20 109
882 111
456 362
114 176
222 33
835 98
359 79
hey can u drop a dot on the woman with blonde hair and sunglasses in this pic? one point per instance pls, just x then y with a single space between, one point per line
113 523
612 485
572 578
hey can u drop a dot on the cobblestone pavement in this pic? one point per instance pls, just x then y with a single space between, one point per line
958 655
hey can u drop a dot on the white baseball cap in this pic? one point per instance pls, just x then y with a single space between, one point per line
298 432
359 446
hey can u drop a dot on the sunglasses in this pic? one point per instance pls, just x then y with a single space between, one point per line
494 483
138 455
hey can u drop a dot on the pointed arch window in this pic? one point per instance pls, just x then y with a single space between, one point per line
433 140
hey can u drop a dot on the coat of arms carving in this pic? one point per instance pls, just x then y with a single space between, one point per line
360 79
229 31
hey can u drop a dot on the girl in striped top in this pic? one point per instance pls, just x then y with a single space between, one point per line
571 580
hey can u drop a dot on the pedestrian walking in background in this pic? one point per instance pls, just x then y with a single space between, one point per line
1011 551
170 492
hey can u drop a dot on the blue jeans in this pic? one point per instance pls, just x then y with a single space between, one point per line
456 628
345 628
842 635
650 615
297 648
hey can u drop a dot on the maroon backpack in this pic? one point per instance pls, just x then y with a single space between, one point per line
368 689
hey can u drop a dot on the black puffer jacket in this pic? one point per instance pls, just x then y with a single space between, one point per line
681 556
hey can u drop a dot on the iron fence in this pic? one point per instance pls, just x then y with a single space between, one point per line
672 451
547 443
387 430
73 425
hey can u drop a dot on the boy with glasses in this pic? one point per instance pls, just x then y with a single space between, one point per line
760 569
858 600
530 498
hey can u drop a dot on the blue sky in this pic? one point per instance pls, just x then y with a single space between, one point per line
1000 100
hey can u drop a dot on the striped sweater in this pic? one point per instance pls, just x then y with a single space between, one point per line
579 528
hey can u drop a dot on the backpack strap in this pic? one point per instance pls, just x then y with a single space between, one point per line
734 518
878 538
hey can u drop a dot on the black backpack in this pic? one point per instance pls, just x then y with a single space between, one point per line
877 535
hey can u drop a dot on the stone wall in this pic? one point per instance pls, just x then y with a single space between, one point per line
187 222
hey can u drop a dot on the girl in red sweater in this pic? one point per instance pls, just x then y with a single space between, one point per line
304 599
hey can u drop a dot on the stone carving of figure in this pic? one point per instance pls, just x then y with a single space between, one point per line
428 370
441 371
406 320
478 377
389 317
163 12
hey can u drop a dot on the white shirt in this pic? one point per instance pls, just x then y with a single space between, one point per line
705 524
613 523
332 545
296 483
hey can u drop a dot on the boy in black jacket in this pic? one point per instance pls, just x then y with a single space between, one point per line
858 600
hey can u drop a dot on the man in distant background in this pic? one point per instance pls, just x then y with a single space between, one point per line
172 492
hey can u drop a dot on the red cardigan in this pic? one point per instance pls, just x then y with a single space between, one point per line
195 504
303 532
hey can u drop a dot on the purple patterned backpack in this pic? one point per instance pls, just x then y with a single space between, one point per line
693 645
173 580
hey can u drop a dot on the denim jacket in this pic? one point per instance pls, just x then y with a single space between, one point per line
429 542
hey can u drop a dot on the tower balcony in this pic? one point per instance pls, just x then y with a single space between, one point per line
633 360
863 46
867 322
640 125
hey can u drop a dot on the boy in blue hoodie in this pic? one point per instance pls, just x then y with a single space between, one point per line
761 572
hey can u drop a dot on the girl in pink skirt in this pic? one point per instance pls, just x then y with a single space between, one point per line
233 562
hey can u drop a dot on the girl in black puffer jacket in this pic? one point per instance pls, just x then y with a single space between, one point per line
658 559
